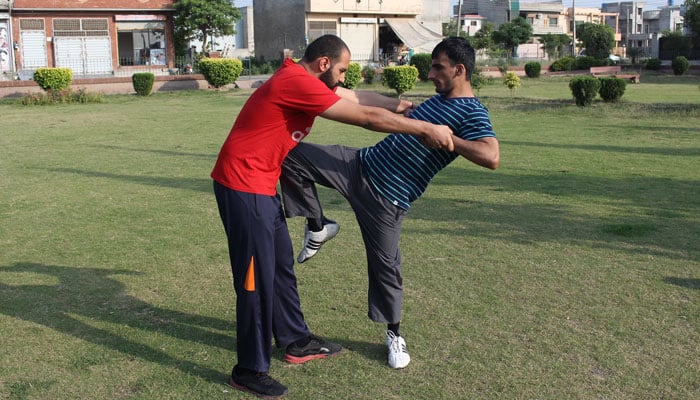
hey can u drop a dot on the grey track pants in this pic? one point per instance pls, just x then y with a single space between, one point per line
339 168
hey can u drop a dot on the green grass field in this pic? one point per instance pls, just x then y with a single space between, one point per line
571 272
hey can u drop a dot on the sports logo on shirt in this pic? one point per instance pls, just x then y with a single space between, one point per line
298 136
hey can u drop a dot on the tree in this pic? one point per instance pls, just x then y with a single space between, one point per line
634 53
692 17
482 38
597 39
675 44
204 19
512 34
553 44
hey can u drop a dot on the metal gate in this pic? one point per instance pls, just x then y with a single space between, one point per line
33 49
83 45
84 55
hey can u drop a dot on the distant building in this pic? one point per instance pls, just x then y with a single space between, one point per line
92 37
7 67
239 45
375 30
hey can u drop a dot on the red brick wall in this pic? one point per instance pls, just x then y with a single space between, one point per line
97 4
49 9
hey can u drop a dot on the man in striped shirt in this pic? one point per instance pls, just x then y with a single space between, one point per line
380 182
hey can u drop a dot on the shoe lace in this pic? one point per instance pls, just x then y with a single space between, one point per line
396 345
265 379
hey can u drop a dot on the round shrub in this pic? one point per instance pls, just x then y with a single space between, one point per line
368 74
512 81
612 89
143 82
422 61
584 89
53 78
563 64
478 80
220 72
401 79
532 69
353 76
653 64
680 65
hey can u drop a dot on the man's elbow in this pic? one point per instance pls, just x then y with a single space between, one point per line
492 162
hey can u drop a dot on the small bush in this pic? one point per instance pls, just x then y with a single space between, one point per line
422 61
53 78
653 64
66 96
680 65
512 82
401 79
368 74
143 82
612 89
220 72
563 64
532 69
353 76
478 81
584 89
587 62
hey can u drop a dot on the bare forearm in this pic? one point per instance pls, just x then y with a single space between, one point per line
368 98
484 152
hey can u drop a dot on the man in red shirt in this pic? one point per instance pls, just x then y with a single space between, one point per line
276 117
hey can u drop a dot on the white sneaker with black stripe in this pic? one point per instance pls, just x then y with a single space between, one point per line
398 354
314 240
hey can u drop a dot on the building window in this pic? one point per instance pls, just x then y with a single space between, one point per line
553 22
473 23
530 20
141 43
320 28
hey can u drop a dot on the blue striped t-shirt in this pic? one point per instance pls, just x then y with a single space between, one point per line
400 167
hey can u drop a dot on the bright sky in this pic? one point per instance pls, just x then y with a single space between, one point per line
650 4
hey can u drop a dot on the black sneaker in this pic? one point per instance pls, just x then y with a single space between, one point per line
316 348
258 383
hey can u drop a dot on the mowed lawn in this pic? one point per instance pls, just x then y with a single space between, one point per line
571 272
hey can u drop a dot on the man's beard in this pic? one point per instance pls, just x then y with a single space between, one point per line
327 78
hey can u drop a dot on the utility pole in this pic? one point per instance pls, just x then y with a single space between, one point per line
459 17
573 17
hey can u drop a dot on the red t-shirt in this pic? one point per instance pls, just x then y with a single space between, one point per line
277 116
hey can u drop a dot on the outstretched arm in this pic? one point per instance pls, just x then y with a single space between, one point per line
382 120
368 98
484 152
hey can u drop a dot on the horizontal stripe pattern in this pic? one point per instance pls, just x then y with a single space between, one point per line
400 167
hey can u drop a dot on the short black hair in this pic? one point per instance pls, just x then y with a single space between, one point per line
330 46
458 51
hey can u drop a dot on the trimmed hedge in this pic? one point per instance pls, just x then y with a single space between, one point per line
220 72
422 61
53 78
612 89
143 82
368 74
563 64
653 64
401 79
532 69
584 89
353 76
680 65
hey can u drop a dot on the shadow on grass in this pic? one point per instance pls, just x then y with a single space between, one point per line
683 152
92 294
195 184
206 156
689 283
